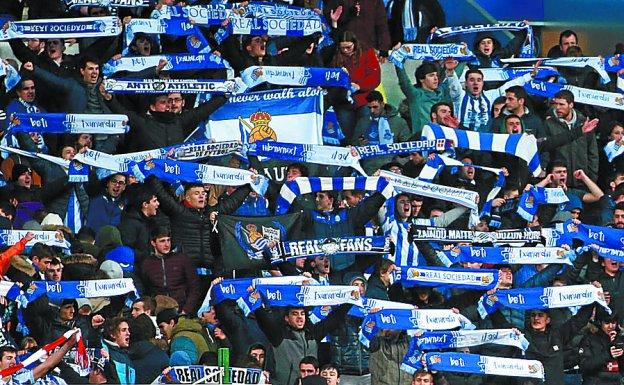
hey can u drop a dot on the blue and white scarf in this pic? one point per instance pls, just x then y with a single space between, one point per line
173 171
528 48
378 131
434 166
475 364
462 197
588 96
613 149
514 255
59 123
50 238
60 28
521 145
237 288
536 196
107 3
291 190
309 295
471 279
402 148
434 340
372 303
607 252
173 27
191 151
96 288
443 234
506 74
11 76
430 52
411 320
165 86
309 248
306 153
543 298
175 62
296 76
595 62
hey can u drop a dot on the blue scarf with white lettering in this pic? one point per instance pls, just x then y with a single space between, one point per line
595 235
11 76
296 76
512 255
528 47
175 172
595 62
474 364
107 3
521 145
60 28
174 26
411 320
588 96
175 62
59 123
306 153
310 248
542 298
300 186
471 279
402 148
536 196
96 288
434 340
431 52
372 303
164 86
506 74
309 295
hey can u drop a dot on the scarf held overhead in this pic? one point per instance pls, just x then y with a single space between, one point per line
59 123
308 248
56 28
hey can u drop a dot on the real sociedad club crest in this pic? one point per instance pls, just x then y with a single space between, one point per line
254 239
70 122
159 86
330 246
259 128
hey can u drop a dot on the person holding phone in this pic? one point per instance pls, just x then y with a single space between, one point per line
602 352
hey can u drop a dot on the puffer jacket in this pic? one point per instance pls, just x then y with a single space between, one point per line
172 275
193 228
349 355
149 361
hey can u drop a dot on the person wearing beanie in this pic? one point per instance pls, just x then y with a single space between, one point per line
21 184
107 239
602 352
184 334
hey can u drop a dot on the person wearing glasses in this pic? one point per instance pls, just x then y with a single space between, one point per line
106 208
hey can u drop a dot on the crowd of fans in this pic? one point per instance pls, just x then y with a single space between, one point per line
168 246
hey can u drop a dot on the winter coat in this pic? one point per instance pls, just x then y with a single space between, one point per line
192 230
348 354
597 365
149 361
291 345
398 126
161 129
386 356
189 335
121 369
172 275
104 210
581 154
366 73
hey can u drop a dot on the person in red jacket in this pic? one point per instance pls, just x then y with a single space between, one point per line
365 74
16 249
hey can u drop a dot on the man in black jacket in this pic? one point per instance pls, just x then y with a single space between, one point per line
160 127
192 218
602 352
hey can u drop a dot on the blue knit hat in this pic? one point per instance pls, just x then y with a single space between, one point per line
124 256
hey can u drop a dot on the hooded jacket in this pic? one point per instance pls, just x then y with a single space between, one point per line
187 335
